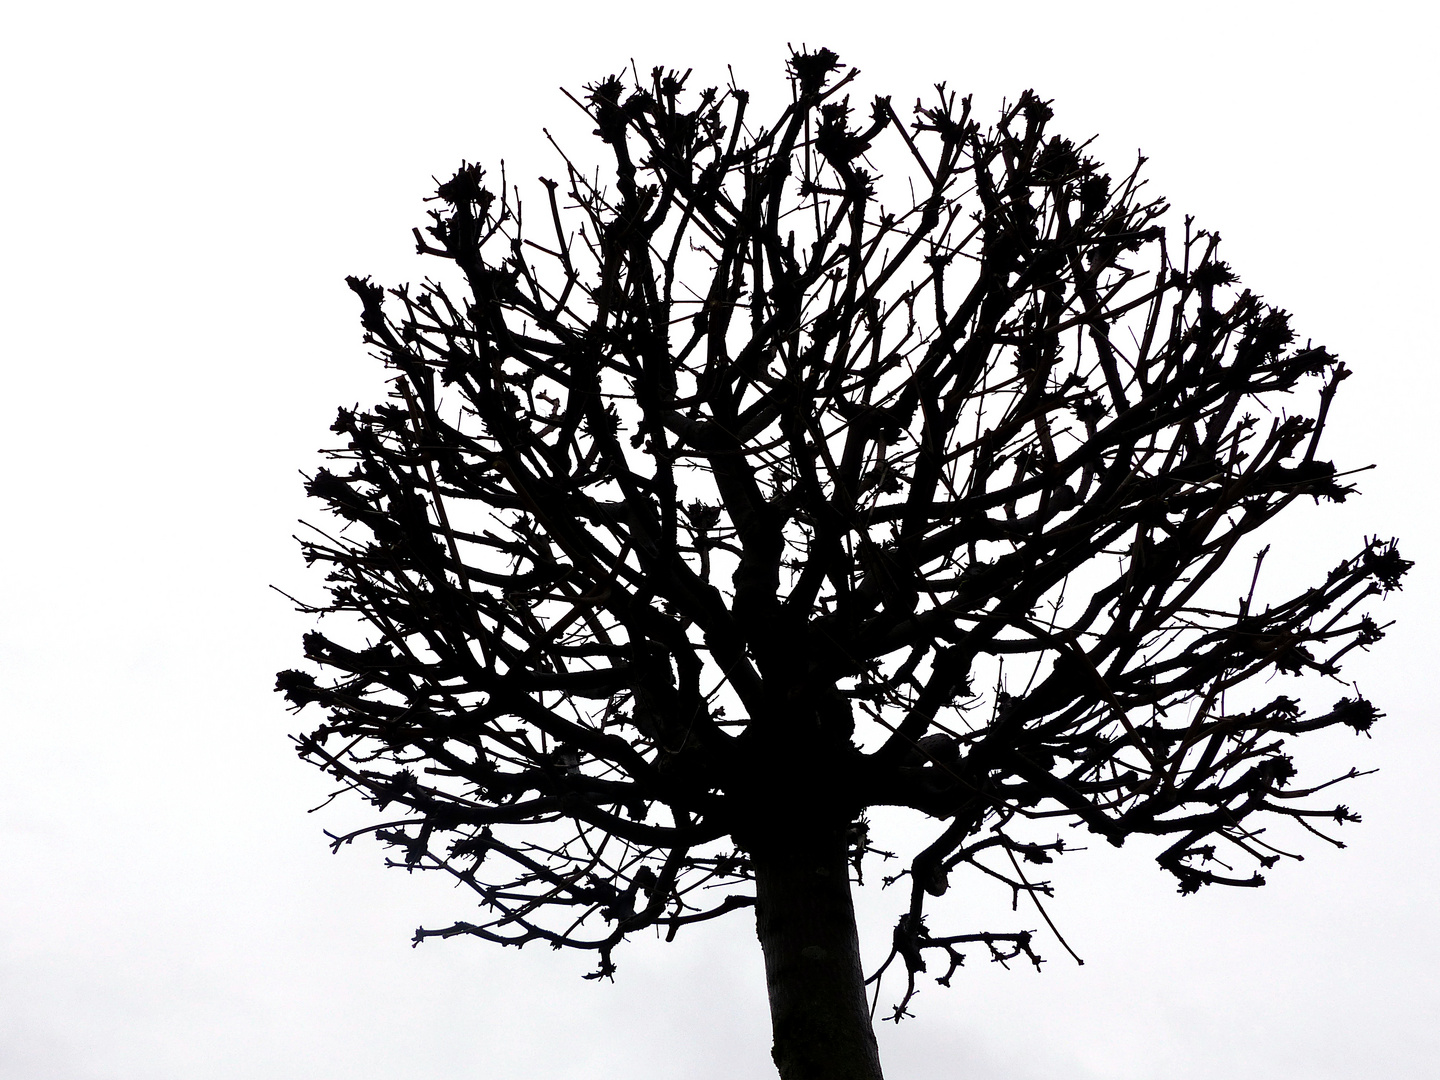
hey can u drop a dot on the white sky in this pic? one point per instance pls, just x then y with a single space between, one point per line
185 187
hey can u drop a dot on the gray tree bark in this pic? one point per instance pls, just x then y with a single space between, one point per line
806 923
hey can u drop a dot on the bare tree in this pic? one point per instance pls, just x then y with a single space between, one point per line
746 489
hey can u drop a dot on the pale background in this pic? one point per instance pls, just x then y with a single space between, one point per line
184 187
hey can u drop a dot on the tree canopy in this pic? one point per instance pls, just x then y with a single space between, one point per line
793 467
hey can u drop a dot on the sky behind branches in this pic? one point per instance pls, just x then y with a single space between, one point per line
186 188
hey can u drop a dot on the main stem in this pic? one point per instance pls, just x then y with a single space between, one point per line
806 924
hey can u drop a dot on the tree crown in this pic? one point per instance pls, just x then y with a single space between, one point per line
757 487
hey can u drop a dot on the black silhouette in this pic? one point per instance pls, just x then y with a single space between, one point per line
752 487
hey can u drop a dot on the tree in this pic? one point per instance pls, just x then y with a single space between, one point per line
720 502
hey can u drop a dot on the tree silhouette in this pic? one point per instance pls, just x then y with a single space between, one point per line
749 488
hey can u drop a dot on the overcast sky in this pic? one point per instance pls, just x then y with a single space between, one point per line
185 187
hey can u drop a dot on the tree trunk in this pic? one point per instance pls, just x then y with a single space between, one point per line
806 924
